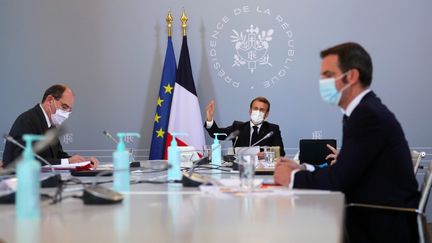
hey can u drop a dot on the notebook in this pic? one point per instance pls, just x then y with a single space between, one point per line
314 151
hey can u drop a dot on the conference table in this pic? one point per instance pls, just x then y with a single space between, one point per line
169 212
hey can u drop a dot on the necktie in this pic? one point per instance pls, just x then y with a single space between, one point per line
254 135
344 120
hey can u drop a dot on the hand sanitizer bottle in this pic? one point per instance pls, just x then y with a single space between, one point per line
174 172
216 152
28 185
121 160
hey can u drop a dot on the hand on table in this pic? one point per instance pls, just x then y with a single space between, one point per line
78 158
283 170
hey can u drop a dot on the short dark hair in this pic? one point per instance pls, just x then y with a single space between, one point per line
261 99
352 55
56 91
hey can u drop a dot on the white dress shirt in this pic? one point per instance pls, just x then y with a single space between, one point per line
64 161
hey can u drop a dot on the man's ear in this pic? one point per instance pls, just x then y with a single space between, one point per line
353 76
50 98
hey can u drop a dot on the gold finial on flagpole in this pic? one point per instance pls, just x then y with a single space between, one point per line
169 20
184 19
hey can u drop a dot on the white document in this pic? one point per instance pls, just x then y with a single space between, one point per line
247 150
8 185
188 154
68 166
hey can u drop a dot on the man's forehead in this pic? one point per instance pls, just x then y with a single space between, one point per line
258 103
68 96
330 61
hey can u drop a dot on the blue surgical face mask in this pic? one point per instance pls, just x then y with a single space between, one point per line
328 90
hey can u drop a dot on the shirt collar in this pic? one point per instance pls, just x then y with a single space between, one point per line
354 103
46 116
252 125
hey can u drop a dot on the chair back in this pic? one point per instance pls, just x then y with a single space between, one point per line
416 159
425 188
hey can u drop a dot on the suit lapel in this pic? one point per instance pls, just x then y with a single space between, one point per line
245 135
264 130
44 126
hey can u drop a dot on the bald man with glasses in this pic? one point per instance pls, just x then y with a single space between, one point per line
56 106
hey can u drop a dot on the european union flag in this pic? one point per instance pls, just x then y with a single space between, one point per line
163 106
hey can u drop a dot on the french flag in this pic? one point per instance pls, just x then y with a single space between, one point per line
185 114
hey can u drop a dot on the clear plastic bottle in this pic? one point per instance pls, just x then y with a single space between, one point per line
28 185
174 172
121 160
216 152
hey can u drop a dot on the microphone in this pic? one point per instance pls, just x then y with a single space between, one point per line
235 141
263 138
110 137
52 181
235 165
196 163
192 179
12 140
133 162
49 137
95 194
233 135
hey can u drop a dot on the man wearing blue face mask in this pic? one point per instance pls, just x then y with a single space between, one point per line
374 163
55 108
250 132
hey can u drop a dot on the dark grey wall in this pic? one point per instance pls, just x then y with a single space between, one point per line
111 53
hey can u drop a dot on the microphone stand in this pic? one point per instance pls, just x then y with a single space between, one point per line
192 179
52 181
133 163
268 135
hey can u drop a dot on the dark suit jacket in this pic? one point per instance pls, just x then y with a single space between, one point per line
374 167
32 122
244 135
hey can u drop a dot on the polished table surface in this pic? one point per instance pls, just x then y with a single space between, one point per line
172 213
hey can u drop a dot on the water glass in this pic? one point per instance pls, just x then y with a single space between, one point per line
269 156
207 151
246 163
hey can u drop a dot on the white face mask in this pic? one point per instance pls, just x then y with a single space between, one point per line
59 116
257 117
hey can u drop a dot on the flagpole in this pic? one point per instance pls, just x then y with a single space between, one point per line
185 113
169 20
164 100
184 19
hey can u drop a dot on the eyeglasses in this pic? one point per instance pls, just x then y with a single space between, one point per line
65 106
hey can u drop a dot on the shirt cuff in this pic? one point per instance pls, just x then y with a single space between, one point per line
209 124
64 161
304 166
291 184
309 167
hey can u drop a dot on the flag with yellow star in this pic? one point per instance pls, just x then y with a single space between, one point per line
163 104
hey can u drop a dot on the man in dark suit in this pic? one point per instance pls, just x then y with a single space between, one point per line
374 163
251 131
57 103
